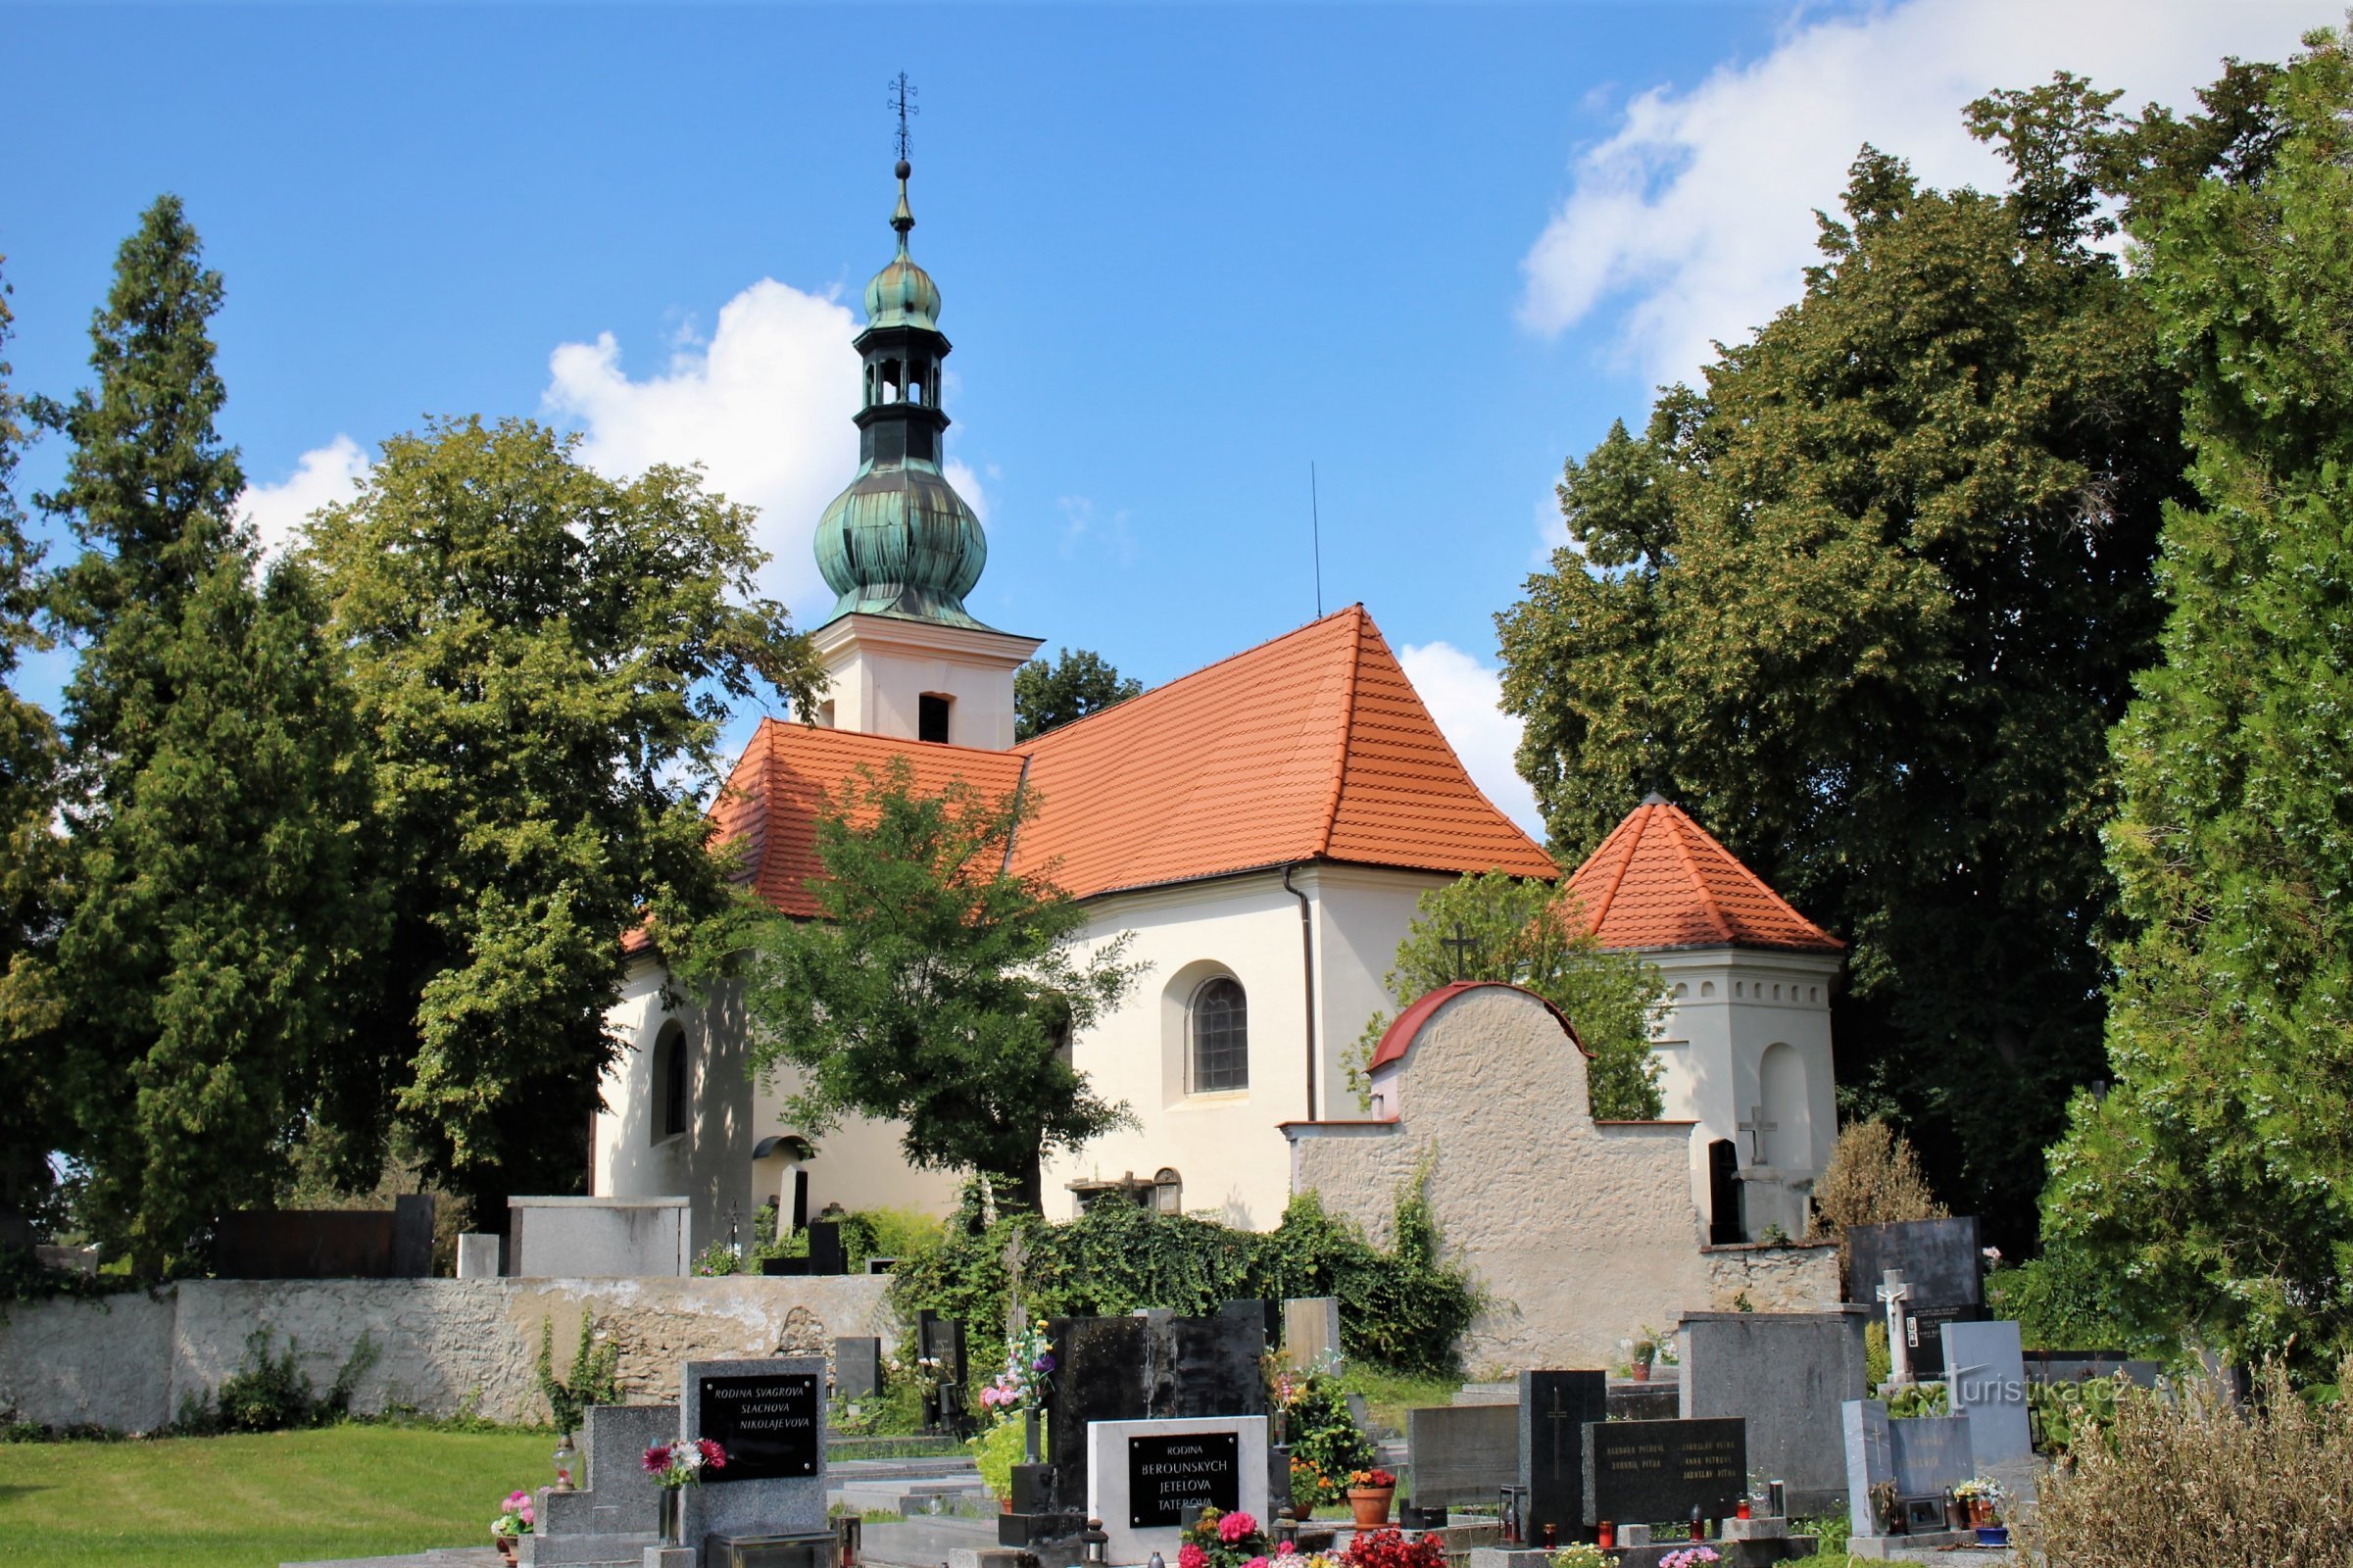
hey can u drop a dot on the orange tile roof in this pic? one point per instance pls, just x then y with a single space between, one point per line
1660 880
1311 747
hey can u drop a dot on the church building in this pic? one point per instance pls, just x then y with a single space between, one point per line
1259 829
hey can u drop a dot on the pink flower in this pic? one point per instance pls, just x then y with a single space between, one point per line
1234 1526
1255 1562
1190 1555
1285 1549
658 1458
713 1455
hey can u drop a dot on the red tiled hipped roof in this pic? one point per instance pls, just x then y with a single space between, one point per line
1399 1037
1310 746
1660 880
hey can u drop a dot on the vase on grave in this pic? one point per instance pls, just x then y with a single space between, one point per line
670 1519
1370 1505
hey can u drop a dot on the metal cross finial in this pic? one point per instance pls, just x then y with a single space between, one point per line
902 101
1462 947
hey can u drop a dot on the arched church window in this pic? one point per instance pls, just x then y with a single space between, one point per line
671 1096
1220 1053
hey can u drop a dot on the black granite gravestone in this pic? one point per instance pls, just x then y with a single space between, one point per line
856 1366
1940 1262
1555 1408
1172 1477
941 1341
766 1423
1655 1472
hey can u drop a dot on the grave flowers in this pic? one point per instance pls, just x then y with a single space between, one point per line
1583 1555
1369 1493
1983 1498
1222 1541
515 1518
1390 1548
674 1466
1689 1558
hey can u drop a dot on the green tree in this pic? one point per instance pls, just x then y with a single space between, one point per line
1492 926
30 851
1870 601
213 914
542 659
1048 696
936 986
2215 1180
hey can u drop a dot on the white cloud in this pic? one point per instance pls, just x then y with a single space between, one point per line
1463 696
765 407
967 484
1698 212
321 476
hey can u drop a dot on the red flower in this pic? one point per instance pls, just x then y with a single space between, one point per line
1190 1555
713 1456
658 1458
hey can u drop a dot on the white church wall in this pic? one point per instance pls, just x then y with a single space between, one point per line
1361 914
881 667
1732 1007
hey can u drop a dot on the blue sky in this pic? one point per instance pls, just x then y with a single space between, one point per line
1184 253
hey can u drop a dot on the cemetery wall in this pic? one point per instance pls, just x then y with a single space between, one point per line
1578 1233
448 1346
1774 1279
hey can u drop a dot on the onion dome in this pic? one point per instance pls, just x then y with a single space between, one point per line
903 294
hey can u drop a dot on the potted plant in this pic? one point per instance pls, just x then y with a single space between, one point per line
675 1466
1582 1555
517 1517
1369 1493
995 1453
1640 1349
1221 1540
1984 1495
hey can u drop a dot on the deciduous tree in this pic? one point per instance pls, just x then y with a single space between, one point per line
936 987
1048 696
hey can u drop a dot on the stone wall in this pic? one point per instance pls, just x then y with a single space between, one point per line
1578 1233
449 1347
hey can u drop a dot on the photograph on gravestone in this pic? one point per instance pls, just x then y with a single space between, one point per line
1555 1408
767 1423
1172 1477
1662 1470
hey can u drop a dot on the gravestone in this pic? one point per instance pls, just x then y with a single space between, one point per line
1931 1454
1788 1373
769 1415
1554 1410
1943 1271
611 1518
1146 1480
1870 1462
826 1254
2080 1366
856 1366
942 1340
1311 1332
1987 1381
1462 1454
479 1255
1928 1452
1662 1470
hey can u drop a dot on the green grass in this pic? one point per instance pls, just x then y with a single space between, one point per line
258 1501
1390 1395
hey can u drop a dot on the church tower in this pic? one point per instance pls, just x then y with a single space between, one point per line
903 549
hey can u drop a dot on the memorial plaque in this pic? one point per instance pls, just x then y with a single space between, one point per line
1658 1471
1171 1479
766 1423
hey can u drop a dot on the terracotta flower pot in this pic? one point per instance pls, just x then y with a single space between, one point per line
505 1545
1640 1372
1370 1505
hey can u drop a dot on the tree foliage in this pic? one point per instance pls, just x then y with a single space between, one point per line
2216 1179
1529 934
936 986
1870 600
1048 696
214 918
541 658
1873 1178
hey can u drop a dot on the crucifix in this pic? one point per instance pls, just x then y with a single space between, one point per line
1016 1253
1557 1415
902 101
1755 1127
1894 1293
1462 947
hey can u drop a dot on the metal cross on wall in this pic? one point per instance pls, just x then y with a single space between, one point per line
1462 946
902 100
1557 1415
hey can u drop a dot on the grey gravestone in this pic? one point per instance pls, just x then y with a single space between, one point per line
1931 1454
1661 1470
1462 1454
615 1513
479 1255
856 1366
1988 1380
1787 1373
1554 1409
1311 1331
1870 1461
1941 1262
2078 1366
769 1415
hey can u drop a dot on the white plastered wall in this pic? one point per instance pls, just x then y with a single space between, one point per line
880 666
1730 1007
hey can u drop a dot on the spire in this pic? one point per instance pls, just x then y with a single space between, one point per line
899 541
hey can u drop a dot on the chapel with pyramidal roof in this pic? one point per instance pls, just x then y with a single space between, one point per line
1259 829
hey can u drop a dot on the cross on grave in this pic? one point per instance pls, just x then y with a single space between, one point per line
1560 1416
1016 1253
1755 1127
1894 1293
1462 947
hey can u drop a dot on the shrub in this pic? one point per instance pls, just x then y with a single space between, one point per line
268 1393
997 1450
1873 1178
1325 1444
2191 1480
